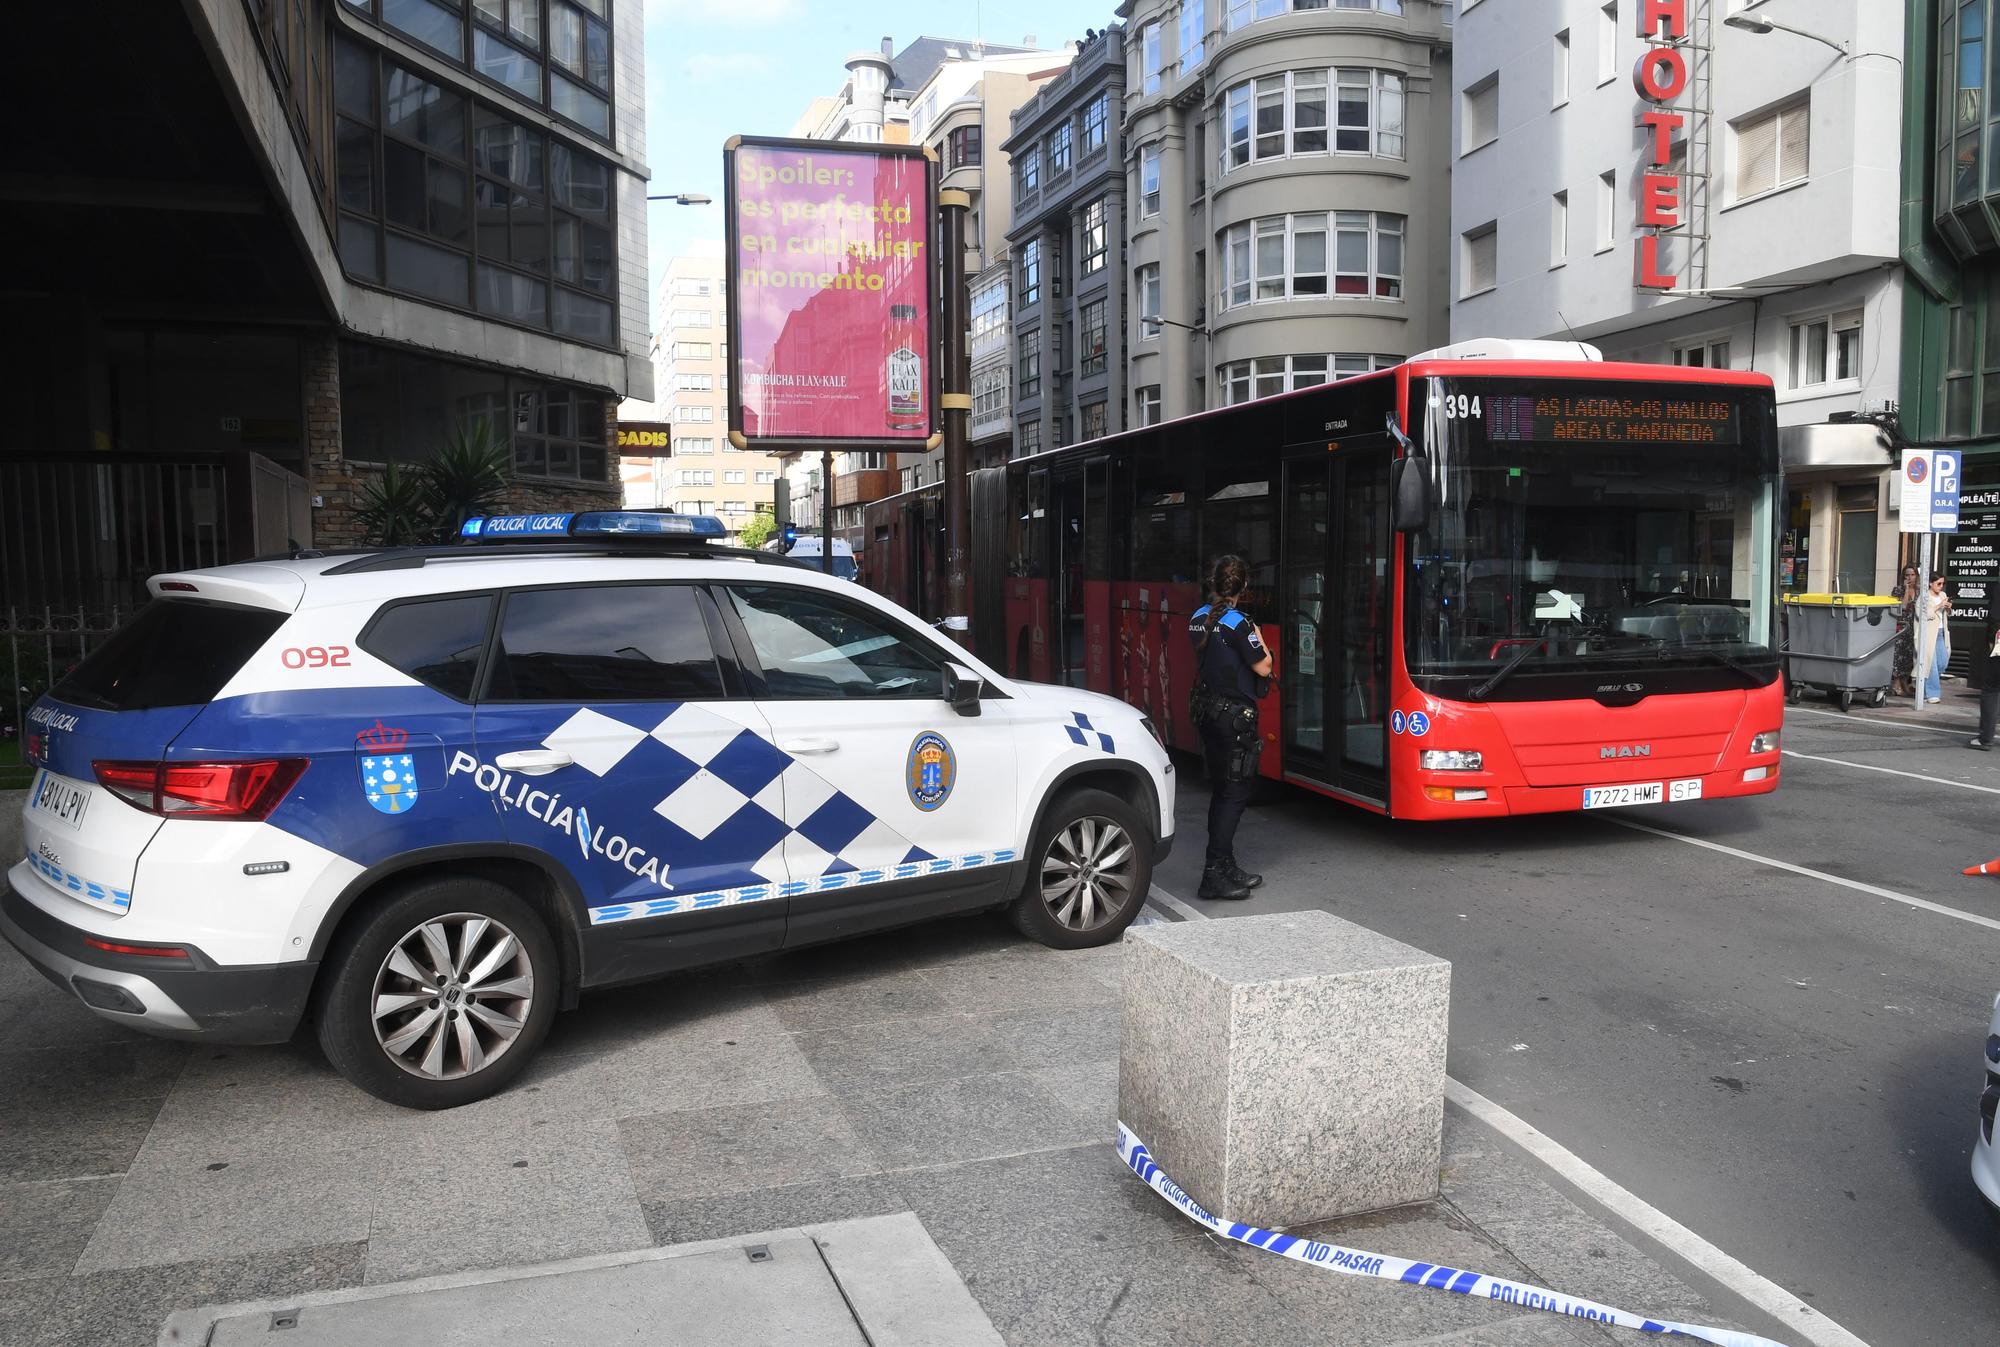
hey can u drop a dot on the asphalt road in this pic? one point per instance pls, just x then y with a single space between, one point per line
1787 1066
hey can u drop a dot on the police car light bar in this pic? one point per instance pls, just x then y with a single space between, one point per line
591 524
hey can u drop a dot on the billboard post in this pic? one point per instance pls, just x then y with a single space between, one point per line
832 289
955 408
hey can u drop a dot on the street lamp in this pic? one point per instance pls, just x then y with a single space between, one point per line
1749 24
683 198
1154 320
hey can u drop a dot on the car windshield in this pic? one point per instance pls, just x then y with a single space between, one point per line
1601 528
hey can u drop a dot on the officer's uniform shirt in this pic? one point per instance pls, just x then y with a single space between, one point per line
1226 662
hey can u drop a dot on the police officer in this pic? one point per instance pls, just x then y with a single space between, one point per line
1232 668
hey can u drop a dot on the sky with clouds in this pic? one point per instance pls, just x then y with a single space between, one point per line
716 68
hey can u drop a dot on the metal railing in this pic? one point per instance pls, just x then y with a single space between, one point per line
37 647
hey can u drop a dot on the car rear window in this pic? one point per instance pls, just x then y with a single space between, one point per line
174 653
435 641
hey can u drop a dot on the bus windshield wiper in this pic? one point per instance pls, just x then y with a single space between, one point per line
1506 671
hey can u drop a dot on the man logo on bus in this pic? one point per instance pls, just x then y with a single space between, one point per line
1397 722
931 772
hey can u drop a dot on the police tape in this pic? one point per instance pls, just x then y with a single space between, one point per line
1360 1263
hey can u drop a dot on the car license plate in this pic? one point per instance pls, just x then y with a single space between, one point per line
1617 797
60 801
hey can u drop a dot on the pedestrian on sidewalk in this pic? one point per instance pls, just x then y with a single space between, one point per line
1909 589
1937 609
1232 670
1989 687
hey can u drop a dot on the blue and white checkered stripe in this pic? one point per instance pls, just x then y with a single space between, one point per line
92 892
763 893
1360 1263
1081 732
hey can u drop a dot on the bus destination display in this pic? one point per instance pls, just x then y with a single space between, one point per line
1584 418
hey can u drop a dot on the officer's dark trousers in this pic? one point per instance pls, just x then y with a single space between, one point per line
1226 798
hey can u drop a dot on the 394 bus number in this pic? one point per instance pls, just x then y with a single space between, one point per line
1459 407
316 657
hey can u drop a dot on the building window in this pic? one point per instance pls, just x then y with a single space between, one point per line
1607 212
1146 282
1482 260
1028 439
963 147
1146 404
1559 229
1149 181
1826 350
1031 272
1194 35
1028 363
455 203
732 476
1703 355
1095 421
1285 115
1773 149
989 309
697 476
1479 125
1607 43
559 432
1095 114
1266 376
989 392
694 414
1242 13
693 287
1561 73
1093 239
1059 150
694 383
1149 58
1028 173
1090 343
694 444
551 53
693 318
1285 257
694 350
764 476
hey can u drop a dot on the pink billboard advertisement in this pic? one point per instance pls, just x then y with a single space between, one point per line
829 291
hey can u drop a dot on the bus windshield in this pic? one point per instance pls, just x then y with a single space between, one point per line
1585 533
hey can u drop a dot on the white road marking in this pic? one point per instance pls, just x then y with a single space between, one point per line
1871 720
1914 776
1874 890
1798 1317
1185 910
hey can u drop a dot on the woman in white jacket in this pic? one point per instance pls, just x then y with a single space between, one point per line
1931 662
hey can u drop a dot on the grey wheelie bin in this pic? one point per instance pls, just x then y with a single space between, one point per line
1841 644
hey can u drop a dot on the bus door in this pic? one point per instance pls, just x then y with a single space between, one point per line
1334 616
1081 508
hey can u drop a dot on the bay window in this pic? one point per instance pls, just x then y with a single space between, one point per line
1287 257
1287 115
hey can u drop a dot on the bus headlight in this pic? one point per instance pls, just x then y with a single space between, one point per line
1451 760
1767 742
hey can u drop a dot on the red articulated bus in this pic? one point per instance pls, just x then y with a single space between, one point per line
1501 578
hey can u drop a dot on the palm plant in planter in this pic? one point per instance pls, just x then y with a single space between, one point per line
430 502
392 508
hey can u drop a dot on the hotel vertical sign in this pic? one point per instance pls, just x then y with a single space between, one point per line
1660 78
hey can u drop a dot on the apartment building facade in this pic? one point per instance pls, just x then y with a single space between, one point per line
1069 331
1286 194
1770 139
348 231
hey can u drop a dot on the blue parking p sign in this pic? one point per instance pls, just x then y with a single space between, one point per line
1944 491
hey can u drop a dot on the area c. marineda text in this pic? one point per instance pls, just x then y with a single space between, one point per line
826 250
1660 78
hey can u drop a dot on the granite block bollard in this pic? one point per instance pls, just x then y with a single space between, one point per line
1285 1069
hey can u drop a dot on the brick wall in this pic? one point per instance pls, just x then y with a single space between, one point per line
339 484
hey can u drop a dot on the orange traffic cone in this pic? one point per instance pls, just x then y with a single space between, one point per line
1991 867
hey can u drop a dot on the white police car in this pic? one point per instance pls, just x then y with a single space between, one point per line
428 796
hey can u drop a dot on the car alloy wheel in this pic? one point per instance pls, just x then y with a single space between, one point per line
1087 873
452 996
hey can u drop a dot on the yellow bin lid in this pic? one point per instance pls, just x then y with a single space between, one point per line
1844 600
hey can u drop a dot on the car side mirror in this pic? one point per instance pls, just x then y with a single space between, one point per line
963 688
1410 492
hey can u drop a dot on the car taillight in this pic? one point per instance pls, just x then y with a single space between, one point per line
206 790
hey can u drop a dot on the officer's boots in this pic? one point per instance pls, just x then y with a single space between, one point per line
1242 878
1218 882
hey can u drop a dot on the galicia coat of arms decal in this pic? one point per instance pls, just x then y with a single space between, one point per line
388 773
932 770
